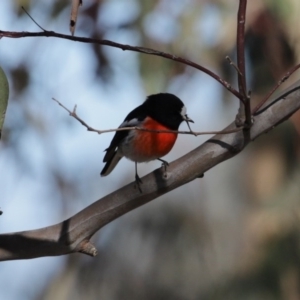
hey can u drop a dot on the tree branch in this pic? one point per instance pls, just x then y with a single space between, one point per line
73 234
240 49
89 128
244 114
23 34
276 86
74 13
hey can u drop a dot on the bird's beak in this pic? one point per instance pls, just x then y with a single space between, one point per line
187 119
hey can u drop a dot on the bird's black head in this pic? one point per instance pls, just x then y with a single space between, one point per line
167 109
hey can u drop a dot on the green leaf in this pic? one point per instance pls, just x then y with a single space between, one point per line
4 91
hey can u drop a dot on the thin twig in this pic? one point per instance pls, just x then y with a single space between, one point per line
188 124
233 64
244 115
11 34
240 50
89 128
276 86
32 19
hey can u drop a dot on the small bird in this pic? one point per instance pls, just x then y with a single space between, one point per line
159 112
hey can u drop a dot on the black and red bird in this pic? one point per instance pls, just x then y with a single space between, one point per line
159 112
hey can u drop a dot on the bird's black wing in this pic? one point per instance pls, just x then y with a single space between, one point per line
133 119
110 151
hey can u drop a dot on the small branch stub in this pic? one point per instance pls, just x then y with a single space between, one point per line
87 248
74 13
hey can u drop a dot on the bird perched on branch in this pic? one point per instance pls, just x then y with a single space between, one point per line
159 112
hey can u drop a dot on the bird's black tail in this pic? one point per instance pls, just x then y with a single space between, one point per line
111 163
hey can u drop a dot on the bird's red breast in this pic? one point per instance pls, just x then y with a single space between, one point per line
151 144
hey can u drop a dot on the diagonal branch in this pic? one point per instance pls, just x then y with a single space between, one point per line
277 85
73 234
23 34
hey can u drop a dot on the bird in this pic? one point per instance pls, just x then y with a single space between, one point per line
163 111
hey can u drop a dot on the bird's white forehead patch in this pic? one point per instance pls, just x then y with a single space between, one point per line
183 111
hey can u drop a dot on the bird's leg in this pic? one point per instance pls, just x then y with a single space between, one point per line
165 164
138 180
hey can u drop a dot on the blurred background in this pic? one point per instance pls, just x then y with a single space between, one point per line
233 234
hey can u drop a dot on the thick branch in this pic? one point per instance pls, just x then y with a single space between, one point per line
73 235
12 34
